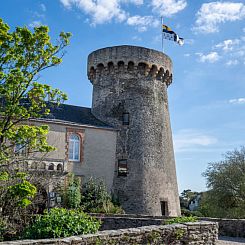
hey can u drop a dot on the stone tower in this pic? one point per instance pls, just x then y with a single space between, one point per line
130 92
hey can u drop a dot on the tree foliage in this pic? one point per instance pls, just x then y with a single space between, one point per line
23 55
226 183
186 197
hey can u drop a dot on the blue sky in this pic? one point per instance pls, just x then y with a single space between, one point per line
207 97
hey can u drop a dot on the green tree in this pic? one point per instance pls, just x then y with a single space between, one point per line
226 183
186 196
23 55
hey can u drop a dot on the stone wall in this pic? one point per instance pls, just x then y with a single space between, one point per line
123 221
97 151
229 227
190 233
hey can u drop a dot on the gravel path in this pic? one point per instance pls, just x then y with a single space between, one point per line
224 240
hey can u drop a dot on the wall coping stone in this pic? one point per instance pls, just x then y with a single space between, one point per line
140 233
228 227
129 216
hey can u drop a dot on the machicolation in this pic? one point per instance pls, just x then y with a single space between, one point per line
151 65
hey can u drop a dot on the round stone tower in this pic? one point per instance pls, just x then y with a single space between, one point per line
130 93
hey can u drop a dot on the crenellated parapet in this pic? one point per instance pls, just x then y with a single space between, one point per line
131 61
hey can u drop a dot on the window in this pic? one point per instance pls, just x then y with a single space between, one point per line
125 118
122 167
59 167
74 148
51 166
20 149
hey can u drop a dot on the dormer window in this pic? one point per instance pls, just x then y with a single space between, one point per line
125 118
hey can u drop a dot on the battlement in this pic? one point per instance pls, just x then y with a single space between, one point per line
129 60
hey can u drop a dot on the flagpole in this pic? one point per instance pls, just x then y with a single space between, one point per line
162 33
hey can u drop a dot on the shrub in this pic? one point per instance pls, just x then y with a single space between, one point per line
96 199
108 208
3 227
182 219
60 222
197 213
187 212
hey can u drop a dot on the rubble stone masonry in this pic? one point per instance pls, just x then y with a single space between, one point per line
133 81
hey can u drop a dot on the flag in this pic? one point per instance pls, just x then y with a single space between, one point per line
168 34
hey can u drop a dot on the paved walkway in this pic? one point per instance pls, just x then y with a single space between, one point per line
224 240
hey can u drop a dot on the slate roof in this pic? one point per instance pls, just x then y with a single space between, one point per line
75 114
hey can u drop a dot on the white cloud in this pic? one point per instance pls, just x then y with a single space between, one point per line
136 38
238 101
189 41
187 55
156 39
212 14
67 3
232 62
136 2
212 57
43 7
142 22
35 23
100 11
187 139
228 45
167 8
103 11
232 51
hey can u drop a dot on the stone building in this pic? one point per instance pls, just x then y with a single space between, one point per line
125 138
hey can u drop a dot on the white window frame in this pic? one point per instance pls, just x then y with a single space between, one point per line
74 142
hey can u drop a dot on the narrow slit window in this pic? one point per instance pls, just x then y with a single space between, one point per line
122 167
125 118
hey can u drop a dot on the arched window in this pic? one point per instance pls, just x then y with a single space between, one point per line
59 167
51 166
74 148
